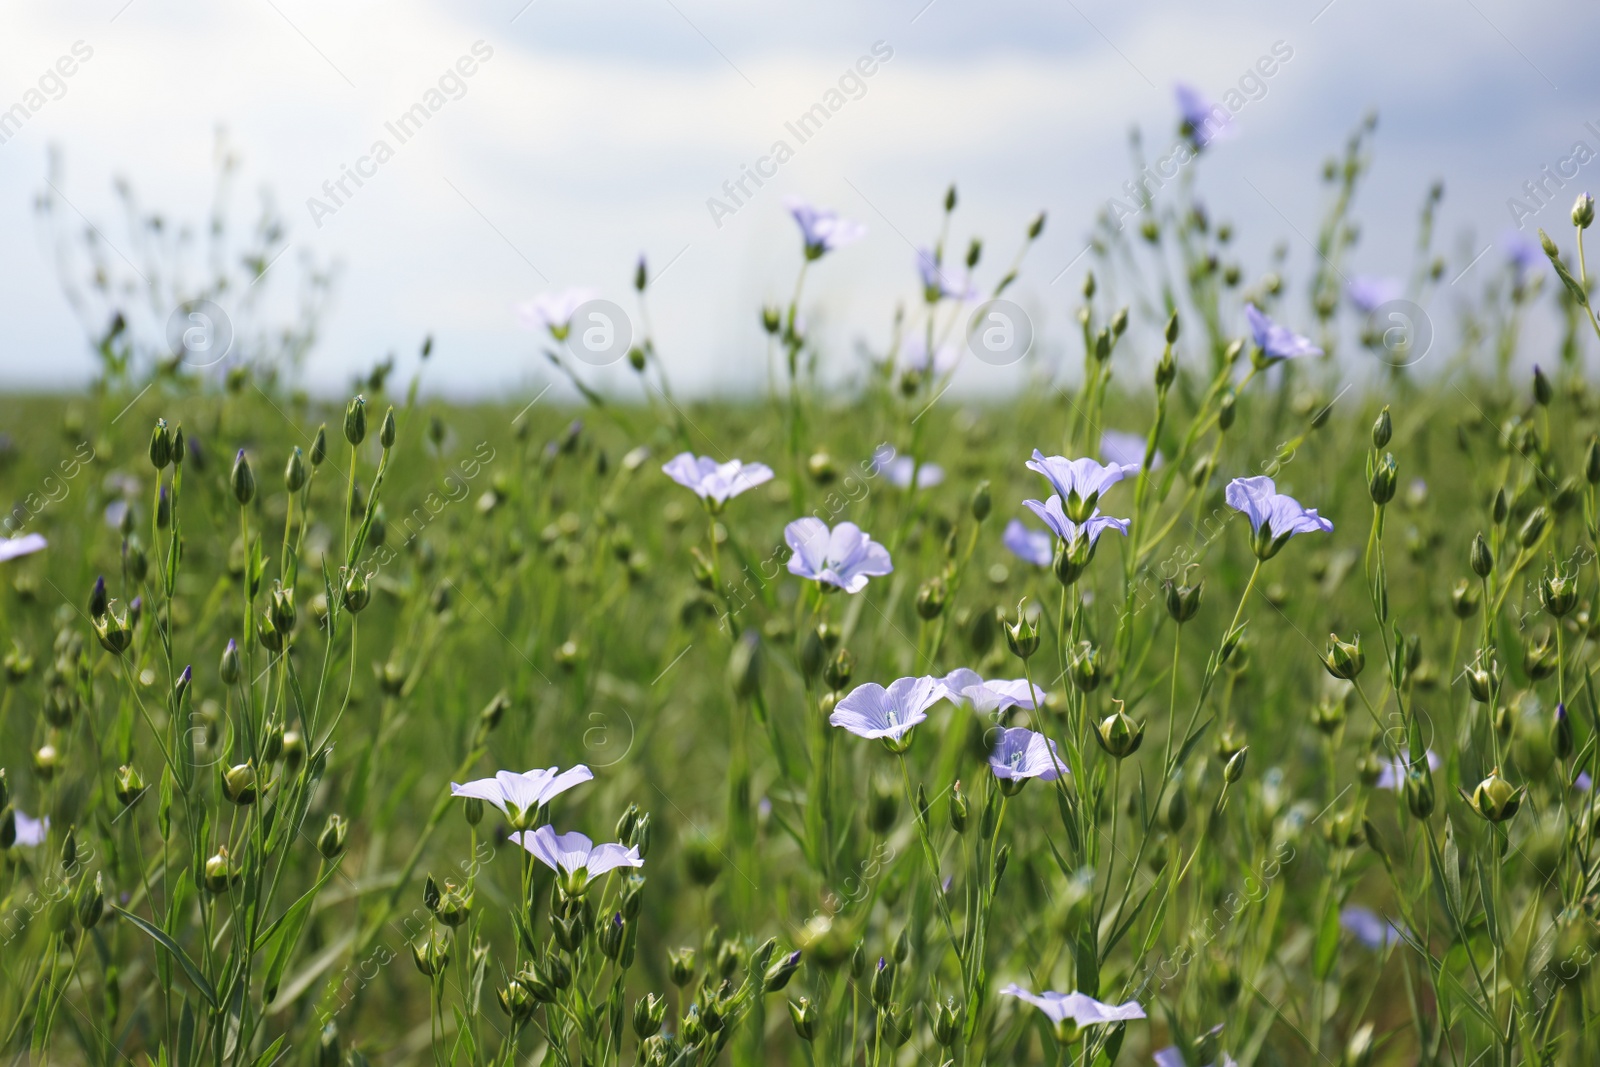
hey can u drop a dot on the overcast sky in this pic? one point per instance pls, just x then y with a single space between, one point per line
590 132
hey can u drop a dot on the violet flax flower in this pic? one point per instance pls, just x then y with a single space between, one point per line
843 557
554 311
520 796
1275 341
1020 754
1070 1011
1274 517
715 483
575 858
1032 546
822 229
966 686
871 711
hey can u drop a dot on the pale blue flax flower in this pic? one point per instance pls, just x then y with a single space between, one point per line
1079 482
1367 927
991 697
1368 293
1275 341
873 712
1121 449
940 282
1031 546
822 229
1393 774
554 311
1202 120
1070 1011
574 857
716 483
30 831
520 796
1274 517
843 557
17 547
1055 517
1020 754
898 469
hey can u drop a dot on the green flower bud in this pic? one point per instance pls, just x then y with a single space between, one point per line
1183 601
1500 508
959 809
780 971
113 631
517 1000
219 872
386 432
1344 659
331 841
947 1019
1383 429
744 665
129 786
1481 559
455 905
1583 211
1483 676
229 670
804 1016
931 598
431 953
1543 391
981 501
294 472
1496 799
243 480
99 600
46 760
240 784
1022 635
1119 735
1558 593
1419 788
1464 599
1087 671
771 319
355 420
612 934
1533 527
91 901
1233 770
882 988
681 966
649 1012
839 669
1562 741
1381 482
281 608
160 445
319 446
357 595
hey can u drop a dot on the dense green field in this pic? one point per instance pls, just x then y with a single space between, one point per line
245 741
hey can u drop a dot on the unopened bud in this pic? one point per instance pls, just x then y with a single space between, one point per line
355 420
243 480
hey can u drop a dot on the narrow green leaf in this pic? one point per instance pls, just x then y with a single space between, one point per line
160 937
